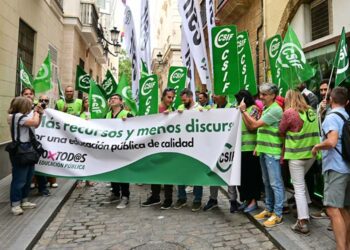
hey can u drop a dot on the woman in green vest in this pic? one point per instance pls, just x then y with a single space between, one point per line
250 167
299 126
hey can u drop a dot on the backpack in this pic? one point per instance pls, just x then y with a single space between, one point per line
345 140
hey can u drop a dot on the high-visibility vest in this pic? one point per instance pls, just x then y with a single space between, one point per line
298 145
73 108
85 116
248 137
196 106
122 114
228 105
269 140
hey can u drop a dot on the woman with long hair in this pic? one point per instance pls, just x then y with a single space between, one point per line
25 120
299 126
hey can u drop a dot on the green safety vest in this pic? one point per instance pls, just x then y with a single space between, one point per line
228 105
73 108
84 116
248 137
298 145
269 140
207 107
196 106
122 114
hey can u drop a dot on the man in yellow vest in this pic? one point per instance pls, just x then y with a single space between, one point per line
269 149
120 191
69 105
203 100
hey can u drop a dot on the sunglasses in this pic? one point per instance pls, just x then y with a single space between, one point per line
44 100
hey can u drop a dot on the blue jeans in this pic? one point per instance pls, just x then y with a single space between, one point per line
273 183
42 181
20 184
197 192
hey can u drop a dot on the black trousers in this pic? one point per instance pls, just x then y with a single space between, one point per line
251 177
168 191
122 188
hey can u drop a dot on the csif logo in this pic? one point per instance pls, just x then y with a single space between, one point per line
98 103
84 81
274 47
225 160
43 73
223 37
176 76
148 86
108 86
24 77
343 58
241 43
291 56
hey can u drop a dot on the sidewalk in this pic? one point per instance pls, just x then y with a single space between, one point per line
22 232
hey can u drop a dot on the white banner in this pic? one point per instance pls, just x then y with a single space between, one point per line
132 50
145 48
210 11
191 148
187 60
193 28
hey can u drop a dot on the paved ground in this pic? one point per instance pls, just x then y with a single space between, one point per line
85 223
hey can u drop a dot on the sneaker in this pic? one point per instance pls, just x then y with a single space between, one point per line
210 205
17 210
111 199
301 229
196 206
329 227
286 210
243 206
263 215
150 202
45 193
250 209
189 189
123 203
319 215
273 221
54 185
166 205
180 204
234 207
28 205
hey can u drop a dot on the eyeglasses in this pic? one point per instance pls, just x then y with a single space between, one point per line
44 100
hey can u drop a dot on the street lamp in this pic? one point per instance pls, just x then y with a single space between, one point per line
160 58
114 41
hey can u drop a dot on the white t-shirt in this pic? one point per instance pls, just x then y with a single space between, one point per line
23 130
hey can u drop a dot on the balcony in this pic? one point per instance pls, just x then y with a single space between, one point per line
89 21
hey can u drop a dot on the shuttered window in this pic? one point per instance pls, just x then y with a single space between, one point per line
319 18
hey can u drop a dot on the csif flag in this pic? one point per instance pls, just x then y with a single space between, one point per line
144 70
148 95
109 85
274 45
246 68
292 60
25 77
124 91
341 61
97 103
145 47
177 81
82 81
60 90
42 81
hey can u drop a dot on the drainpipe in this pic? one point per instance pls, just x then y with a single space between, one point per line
257 41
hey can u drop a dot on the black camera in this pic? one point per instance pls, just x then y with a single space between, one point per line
42 104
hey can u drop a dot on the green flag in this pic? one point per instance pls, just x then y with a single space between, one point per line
225 60
177 80
148 95
125 91
144 70
294 68
247 76
109 84
97 103
24 76
42 81
60 90
274 45
82 81
341 61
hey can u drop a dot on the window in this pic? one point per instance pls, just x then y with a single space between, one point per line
319 19
25 51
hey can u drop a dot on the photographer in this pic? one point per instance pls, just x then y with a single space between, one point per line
22 175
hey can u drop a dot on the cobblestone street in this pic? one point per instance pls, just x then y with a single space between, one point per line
85 223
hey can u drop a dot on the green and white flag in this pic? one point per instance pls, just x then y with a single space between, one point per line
97 103
292 60
144 70
148 95
246 66
60 90
274 45
225 60
341 61
177 80
109 84
82 81
125 91
24 76
42 81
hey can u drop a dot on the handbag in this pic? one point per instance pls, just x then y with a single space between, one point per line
23 154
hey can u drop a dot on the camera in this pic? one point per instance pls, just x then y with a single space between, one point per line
42 104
